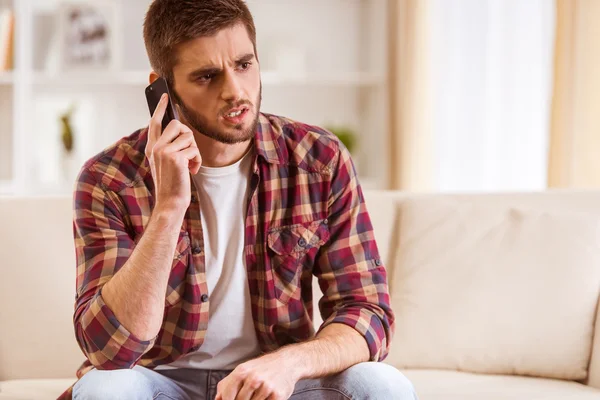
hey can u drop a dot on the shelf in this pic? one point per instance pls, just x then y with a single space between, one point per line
6 78
323 79
269 78
91 78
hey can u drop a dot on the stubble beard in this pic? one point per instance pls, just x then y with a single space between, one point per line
200 123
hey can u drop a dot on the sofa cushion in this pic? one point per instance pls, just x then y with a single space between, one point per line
452 385
494 288
429 384
39 389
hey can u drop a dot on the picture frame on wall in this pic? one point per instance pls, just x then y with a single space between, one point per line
88 35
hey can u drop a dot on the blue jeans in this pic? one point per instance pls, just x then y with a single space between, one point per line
376 381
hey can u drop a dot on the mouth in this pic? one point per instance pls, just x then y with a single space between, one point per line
236 115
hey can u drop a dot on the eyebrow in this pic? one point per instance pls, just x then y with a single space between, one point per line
245 58
211 70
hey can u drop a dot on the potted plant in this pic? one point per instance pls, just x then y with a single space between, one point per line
69 163
346 136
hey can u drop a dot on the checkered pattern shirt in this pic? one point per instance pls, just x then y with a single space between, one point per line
306 216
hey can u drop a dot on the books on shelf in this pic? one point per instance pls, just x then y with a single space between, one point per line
7 33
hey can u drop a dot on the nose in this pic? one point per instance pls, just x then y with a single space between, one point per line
232 88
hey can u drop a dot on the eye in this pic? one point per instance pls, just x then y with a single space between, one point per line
205 78
245 65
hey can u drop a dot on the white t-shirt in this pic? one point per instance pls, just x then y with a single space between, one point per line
230 338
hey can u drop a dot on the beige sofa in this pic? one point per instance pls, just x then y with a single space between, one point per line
495 295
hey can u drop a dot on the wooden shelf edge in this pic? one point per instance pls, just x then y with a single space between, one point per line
269 78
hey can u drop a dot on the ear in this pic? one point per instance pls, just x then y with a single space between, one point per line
153 76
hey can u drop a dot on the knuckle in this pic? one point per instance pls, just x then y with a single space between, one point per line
254 382
189 136
157 149
269 389
172 157
242 370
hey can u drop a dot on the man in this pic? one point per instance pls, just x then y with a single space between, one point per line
196 245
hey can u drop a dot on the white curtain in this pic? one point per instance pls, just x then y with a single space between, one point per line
489 83
492 88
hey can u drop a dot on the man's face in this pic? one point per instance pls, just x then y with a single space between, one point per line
217 85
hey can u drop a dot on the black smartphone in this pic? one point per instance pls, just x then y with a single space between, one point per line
153 95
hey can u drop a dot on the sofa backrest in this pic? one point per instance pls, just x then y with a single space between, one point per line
502 283
37 265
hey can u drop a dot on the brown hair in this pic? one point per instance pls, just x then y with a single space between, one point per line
169 23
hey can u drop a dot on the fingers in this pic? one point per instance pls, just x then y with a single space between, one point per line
183 141
228 390
186 145
263 393
172 131
248 390
192 154
155 125
176 136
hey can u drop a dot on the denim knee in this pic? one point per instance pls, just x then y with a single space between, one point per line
120 384
373 380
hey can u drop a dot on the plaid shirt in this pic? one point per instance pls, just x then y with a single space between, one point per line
306 215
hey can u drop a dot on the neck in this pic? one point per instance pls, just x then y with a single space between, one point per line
216 154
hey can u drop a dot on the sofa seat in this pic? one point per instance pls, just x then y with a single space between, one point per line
34 389
430 385
453 385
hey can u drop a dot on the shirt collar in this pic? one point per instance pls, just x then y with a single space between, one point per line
268 139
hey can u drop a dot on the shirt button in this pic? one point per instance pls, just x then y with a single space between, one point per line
378 262
194 199
325 221
204 298
301 242
196 250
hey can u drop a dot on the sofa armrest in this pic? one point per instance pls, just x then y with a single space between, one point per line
594 370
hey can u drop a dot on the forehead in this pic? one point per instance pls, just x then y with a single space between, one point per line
225 46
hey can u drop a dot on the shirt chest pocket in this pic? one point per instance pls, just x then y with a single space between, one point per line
291 249
179 269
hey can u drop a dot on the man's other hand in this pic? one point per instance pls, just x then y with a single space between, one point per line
270 377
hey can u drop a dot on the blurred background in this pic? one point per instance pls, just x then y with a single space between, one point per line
429 95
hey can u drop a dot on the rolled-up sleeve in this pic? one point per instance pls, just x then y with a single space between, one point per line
350 272
102 246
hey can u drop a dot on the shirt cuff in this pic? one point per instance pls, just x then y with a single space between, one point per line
365 322
113 345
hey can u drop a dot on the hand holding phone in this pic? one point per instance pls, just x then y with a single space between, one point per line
154 93
171 151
